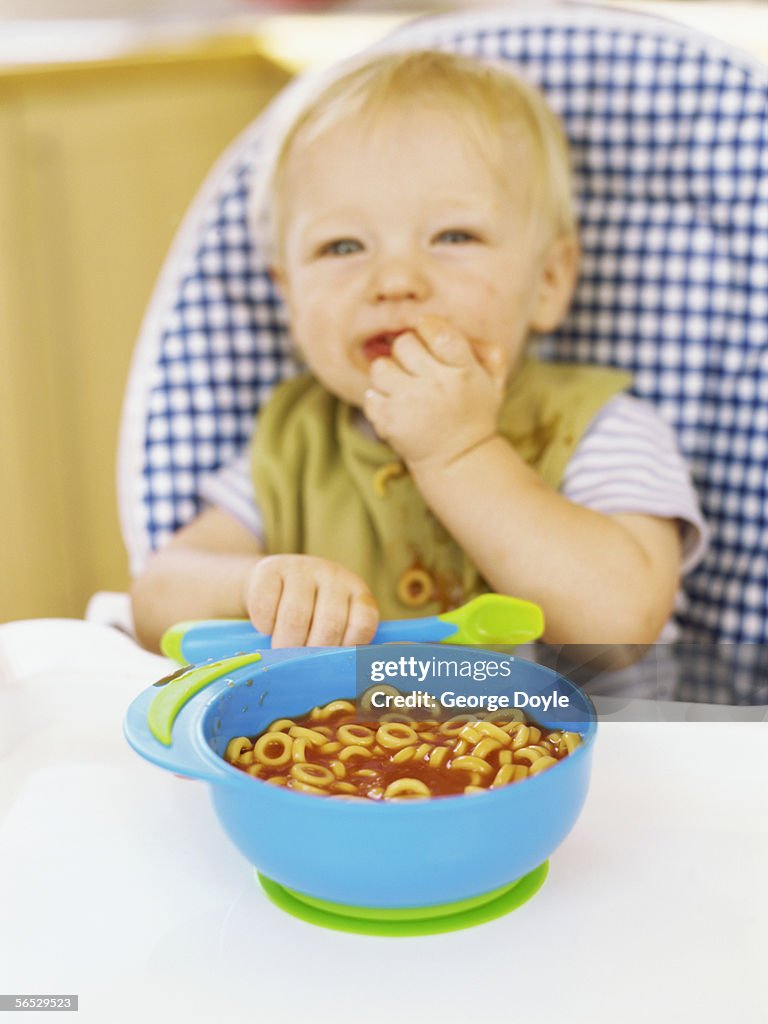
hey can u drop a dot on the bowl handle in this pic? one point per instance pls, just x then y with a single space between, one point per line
149 722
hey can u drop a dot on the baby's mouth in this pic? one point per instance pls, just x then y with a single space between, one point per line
380 345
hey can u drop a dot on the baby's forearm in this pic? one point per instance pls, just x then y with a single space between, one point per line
594 580
182 583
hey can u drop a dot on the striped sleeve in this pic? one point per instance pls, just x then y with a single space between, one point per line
628 462
231 489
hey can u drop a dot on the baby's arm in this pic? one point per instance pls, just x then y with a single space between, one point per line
599 579
216 568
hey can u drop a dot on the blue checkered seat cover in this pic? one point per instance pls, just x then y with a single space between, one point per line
669 132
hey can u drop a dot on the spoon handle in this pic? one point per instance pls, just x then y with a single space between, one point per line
190 643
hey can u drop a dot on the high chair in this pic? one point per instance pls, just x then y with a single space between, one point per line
670 150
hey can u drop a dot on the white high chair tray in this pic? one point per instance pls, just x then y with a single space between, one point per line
117 883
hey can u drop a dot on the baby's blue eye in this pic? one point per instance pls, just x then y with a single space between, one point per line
455 236
341 247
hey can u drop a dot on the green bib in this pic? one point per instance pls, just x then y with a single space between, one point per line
324 488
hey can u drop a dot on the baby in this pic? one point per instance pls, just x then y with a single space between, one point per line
422 232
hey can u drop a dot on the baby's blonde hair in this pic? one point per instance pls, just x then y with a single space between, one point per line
494 102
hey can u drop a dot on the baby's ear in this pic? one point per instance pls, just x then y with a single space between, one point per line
557 280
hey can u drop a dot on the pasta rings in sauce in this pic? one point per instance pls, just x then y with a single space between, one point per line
355 758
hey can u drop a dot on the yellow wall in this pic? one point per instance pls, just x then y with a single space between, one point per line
98 163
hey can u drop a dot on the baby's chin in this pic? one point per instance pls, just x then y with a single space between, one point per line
350 392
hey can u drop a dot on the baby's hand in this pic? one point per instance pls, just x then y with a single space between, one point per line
305 601
435 397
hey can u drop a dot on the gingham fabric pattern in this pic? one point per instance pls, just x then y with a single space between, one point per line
669 133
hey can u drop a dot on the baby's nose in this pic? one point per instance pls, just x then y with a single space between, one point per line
398 279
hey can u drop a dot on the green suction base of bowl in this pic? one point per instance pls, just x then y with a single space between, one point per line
407 921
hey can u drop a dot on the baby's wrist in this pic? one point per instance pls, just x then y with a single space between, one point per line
449 459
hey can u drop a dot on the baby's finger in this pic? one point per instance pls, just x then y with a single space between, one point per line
444 341
386 375
412 355
294 613
376 409
262 597
362 620
329 619
493 359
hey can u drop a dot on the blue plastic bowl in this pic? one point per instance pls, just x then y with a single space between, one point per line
365 854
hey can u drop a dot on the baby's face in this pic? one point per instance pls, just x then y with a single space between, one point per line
382 231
